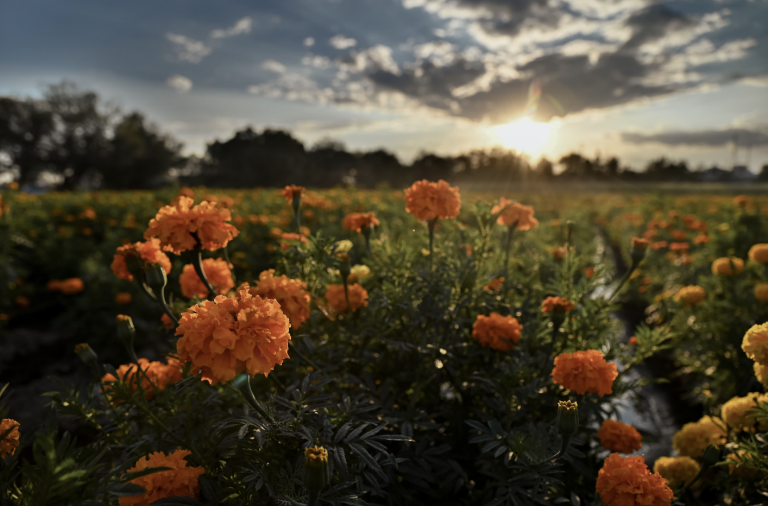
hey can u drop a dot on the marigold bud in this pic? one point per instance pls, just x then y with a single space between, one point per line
126 331
567 417
88 356
317 474
155 275
639 246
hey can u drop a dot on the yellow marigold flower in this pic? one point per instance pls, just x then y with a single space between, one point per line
11 442
677 471
759 253
626 481
218 273
501 333
619 437
693 438
761 373
755 343
735 412
290 293
180 481
426 200
585 371
514 213
227 336
727 266
692 295
337 300
358 272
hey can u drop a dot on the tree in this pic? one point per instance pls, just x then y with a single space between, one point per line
139 155
25 138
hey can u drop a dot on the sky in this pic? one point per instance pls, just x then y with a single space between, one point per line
637 79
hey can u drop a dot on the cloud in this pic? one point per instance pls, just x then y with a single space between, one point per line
242 26
179 83
273 66
709 138
309 41
188 50
294 86
341 42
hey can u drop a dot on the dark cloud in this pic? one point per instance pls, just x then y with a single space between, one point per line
430 83
509 16
712 138
653 23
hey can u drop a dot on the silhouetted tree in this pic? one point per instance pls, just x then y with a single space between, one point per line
139 155
25 138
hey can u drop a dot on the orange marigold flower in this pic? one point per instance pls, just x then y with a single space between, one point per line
292 237
22 301
494 285
755 343
676 471
679 246
633 341
638 243
589 272
558 251
701 239
650 234
727 266
227 336
187 192
356 222
218 273
740 200
557 304
167 322
358 297
147 252
426 200
736 414
290 293
291 191
180 481
659 245
679 235
498 332
693 438
759 253
692 295
155 374
123 298
585 371
69 286
11 442
514 213
619 437
626 481
181 227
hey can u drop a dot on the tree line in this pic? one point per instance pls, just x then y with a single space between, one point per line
69 139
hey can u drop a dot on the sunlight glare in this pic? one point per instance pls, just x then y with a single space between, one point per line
525 135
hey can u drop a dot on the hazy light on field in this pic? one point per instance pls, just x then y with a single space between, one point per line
526 135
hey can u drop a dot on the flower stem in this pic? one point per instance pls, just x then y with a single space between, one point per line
431 225
251 399
346 294
164 305
508 246
623 280
198 264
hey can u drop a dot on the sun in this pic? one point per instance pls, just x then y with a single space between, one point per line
525 135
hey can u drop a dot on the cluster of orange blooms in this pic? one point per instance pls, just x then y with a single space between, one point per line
426 200
291 294
515 214
356 222
337 299
69 286
585 371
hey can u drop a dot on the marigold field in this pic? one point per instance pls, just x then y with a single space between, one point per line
344 347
